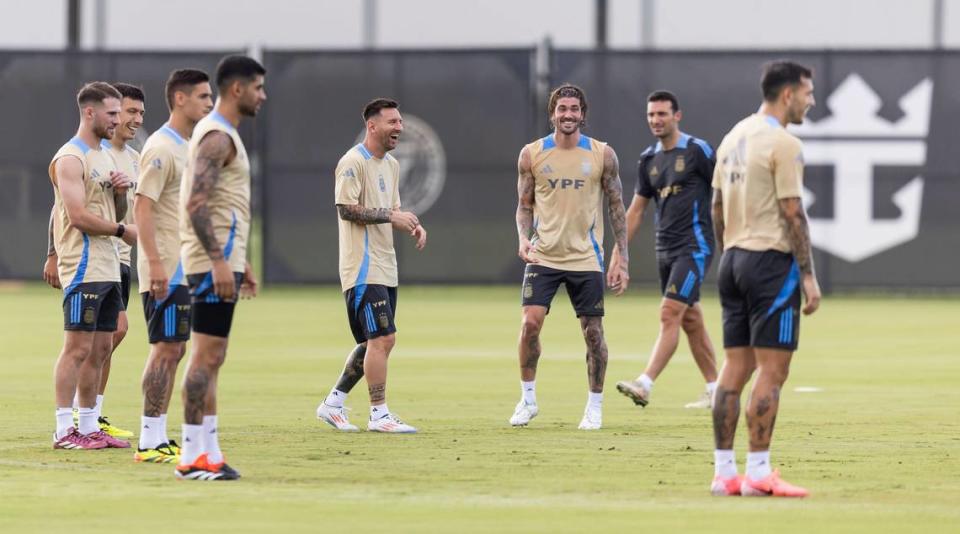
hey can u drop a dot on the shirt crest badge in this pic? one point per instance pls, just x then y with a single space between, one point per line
680 165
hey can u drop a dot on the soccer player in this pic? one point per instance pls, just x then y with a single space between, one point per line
562 180
368 202
676 173
761 226
214 227
163 289
89 199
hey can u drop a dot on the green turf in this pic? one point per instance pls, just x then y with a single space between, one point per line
879 446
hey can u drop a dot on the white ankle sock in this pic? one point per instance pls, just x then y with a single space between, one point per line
645 381
98 407
64 421
163 428
711 388
595 400
335 398
150 436
758 465
192 444
88 421
724 463
76 400
529 391
378 411
211 440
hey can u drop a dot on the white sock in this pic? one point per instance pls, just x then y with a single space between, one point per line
192 444
529 391
724 463
758 465
646 382
88 421
150 437
335 398
76 400
711 388
211 439
379 411
64 421
98 407
595 400
163 429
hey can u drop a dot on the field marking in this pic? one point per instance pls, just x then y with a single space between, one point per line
807 389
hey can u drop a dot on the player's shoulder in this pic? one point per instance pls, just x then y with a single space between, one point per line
696 144
353 158
74 147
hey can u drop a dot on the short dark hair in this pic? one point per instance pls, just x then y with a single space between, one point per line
231 68
376 105
130 91
567 90
95 92
779 74
665 96
181 80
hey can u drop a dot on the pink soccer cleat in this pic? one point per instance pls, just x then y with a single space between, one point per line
771 486
726 487
76 440
112 442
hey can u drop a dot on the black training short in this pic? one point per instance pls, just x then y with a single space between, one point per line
211 315
92 307
371 309
682 276
760 296
169 319
125 284
585 289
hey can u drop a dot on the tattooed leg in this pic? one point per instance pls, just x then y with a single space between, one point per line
529 349
352 369
158 377
375 366
736 371
200 378
592 328
773 367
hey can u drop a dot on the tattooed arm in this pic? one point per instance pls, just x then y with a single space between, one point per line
215 150
798 233
361 215
525 190
718 224
618 276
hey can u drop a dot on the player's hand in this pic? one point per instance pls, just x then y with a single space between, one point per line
158 280
224 285
405 221
248 288
618 275
420 234
120 181
50 274
811 294
526 251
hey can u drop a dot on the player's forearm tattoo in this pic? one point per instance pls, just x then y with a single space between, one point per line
798 233
596 352
718 224
51 244
361 215
120 201
378 392
352 369
212 154
156 380
194 396
726 413
525 190
613 189
762 418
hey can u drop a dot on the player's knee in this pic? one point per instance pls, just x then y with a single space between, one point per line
384 343
76 355
775 373
530 327
593 333
170 355
670 315
692 321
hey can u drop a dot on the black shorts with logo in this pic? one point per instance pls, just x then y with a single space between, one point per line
760 296
168 320
92 307
585 288
681 276
125 284
371 309
211 315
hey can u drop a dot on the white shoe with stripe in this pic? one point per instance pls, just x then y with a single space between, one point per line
335 417
391 424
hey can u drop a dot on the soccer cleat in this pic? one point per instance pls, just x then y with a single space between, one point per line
335 417
523 413
592 419
770 486
200 469
174 446
635 390
162 454
391 424
112 442
705 402
114 431
224 468
726 487
76 440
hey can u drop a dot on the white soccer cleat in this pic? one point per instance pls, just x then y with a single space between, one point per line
704 403
592 419
390 424
335 417
523 413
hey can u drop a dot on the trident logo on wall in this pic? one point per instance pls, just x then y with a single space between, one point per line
854 140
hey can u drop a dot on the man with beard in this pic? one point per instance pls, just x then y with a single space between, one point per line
368 202
87 188
676 172
214 228
563 178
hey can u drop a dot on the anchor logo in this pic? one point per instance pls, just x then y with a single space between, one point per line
854 140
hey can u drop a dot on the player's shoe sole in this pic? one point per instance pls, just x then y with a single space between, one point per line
634 391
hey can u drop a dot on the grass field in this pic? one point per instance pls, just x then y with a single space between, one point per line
879 446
